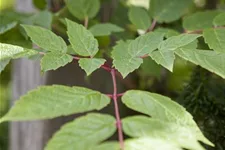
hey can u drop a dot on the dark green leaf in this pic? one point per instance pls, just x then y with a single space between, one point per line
83 8
199 20
139 17
168 10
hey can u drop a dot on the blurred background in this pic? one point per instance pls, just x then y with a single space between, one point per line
199 91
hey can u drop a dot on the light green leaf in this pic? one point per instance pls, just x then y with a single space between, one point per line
83 133
105 29
107 146
175 42
6 24
210 60
168 10
54 60
139 17
180 135
215 39
8 51
3 64
164 58
167 114
82 40
83 8
53 101
219 20
123 61
45 39
148 143
91 64
145 44
127 56
168 32
199 20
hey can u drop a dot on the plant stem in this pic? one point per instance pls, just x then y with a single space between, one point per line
86 22
118 95
152 26
118 120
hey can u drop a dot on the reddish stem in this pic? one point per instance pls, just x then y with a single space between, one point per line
118 95
152 26
118 120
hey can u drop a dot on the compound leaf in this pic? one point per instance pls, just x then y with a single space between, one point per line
168 11
91 64
92 129
210 60
54 60
82 9
82 40
105 29
45 39
142 22
53 101
215 39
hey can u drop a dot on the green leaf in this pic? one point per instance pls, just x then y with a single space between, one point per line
175 42
145 44
3 64
167 114
168 11
179 135
40 4
105 29
168 32
127 56
139 17
123 61
148 143
54 60
219 20
107 146
45 39
164 58
6 24
43 19
8 51
83 8
53 101
82 40
150 68
215 39
91 64
83 133
199 20
210 60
